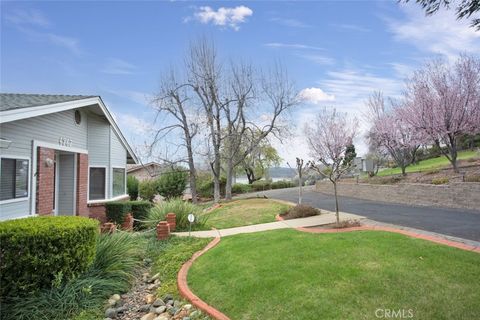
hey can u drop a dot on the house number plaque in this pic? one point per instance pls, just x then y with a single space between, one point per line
65 142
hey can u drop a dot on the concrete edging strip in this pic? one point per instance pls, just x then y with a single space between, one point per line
188 294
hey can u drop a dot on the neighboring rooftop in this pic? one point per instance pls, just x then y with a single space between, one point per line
11 101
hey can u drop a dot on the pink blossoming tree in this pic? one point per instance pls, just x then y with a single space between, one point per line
328 138
390 133
442 102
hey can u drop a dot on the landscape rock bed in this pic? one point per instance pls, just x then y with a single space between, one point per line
141 302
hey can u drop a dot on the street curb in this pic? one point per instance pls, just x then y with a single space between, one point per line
434 239
188 294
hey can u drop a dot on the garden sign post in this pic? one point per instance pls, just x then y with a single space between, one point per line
191 218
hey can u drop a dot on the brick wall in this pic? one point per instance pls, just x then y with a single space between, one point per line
45 181
465 195
82 185
97 211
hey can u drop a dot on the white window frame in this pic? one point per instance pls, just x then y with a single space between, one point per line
124 183
106 185
29 183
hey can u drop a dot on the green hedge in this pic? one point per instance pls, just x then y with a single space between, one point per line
37 251
132 187
261 185
147 190
280 184
117 210
241 188
140 211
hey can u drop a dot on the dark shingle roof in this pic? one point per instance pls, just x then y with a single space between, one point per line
11 101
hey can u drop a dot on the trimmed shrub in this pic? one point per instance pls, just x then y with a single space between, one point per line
300 211
147 190
472 178
261 185
39 251
132 187
117 210
181 209
438 181
282 184
205 188
140 211
172 184
117 258
241 188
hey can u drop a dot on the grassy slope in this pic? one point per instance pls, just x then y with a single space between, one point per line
245 212
286 274
429 164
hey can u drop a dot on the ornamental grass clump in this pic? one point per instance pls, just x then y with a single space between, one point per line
181 209
300 211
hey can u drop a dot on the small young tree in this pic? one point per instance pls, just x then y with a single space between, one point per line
442 102
328 138
172 184
132 187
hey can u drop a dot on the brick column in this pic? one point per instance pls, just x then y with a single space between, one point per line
82 185
45 181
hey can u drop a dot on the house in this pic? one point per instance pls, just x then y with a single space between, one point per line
146 171
60 155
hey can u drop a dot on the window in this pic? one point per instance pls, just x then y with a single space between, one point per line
14 178
118 182
78 117
96 188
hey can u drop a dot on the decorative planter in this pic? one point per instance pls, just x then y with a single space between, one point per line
163 230
127 224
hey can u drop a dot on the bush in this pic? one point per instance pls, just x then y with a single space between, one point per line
140 210
241 188
117 257
132 187
181 209
117 210
36 251
282 184
472 178
261 185
300 211
205 187
147 190
172 184
438 181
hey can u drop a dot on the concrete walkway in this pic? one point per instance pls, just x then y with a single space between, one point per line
326 217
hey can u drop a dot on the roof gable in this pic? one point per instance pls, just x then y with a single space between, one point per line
28 108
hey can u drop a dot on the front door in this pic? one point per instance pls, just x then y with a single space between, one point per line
65 191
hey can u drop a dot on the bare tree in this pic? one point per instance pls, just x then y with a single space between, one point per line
300 169
173 100
328 138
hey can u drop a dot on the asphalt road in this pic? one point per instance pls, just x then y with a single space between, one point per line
461 223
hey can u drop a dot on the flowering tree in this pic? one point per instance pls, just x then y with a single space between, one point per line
328 138
442 102
390 133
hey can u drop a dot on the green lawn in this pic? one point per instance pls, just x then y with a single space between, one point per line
429 164
245 212
287 274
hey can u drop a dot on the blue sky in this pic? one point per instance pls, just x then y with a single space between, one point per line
339 51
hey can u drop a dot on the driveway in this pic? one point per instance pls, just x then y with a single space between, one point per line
460 223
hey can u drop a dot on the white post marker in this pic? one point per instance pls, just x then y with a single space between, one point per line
191 219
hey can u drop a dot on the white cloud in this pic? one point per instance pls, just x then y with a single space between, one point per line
27 17
69 43
292 46
352 27
315 95
317 58
225 17
440 33
288 22
134 124
118 66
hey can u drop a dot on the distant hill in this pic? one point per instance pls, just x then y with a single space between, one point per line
281 172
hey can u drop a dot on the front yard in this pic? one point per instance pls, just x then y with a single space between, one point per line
245 212
287 274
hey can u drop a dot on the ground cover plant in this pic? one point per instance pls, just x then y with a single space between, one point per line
245 212
287 274
429 164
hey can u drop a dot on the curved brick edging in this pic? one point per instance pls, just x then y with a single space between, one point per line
438 240
188 294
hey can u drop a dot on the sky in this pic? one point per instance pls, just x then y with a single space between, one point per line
336 52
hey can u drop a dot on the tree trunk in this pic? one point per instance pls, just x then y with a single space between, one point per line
300 192
336 203
403 170
193 173
228 185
